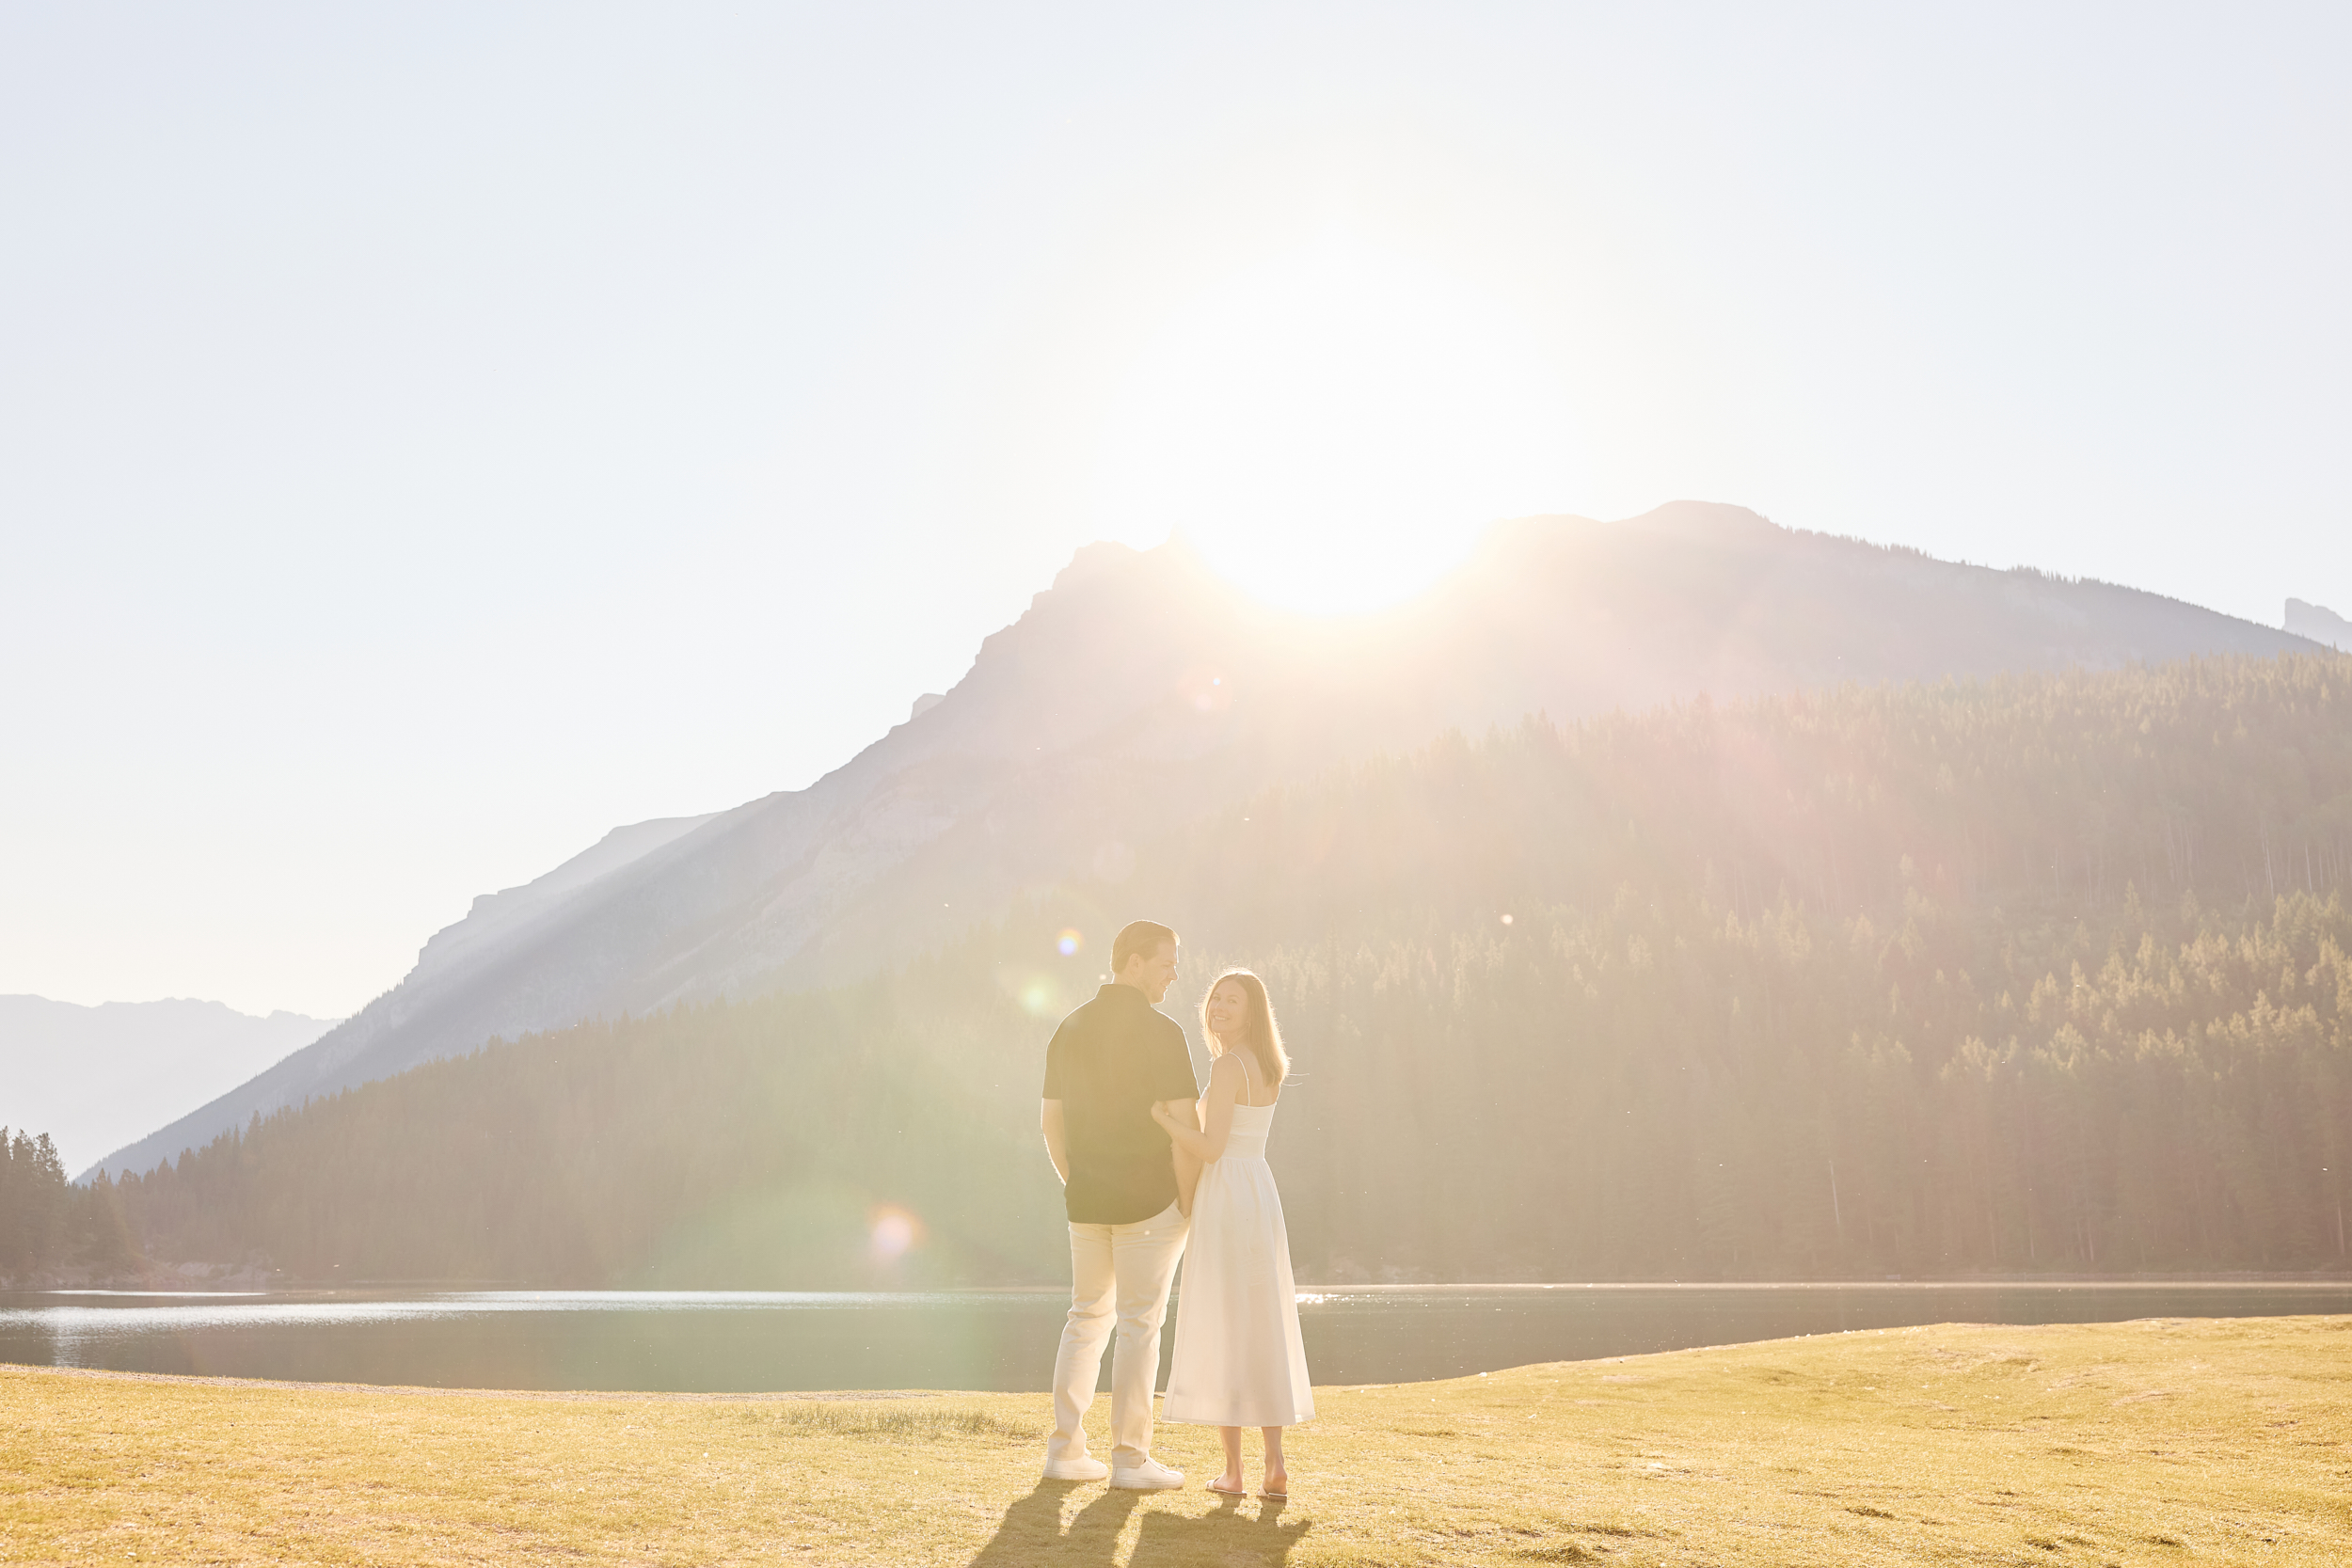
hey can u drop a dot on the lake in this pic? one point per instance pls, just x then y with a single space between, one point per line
726 1342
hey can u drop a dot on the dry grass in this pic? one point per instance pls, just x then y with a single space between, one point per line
2164 1442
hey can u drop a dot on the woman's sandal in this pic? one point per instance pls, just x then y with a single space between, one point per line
1272 1496
1228 1491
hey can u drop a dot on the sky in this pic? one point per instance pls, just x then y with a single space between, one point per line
431 435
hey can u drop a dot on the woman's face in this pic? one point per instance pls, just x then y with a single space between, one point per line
1228 1010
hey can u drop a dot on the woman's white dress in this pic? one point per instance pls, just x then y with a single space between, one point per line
1239 1360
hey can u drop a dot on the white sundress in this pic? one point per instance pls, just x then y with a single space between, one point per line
1239 1360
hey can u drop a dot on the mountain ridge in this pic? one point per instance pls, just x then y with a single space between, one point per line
91 1075
2320 624
1139 689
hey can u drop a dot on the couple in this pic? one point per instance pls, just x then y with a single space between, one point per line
1144 1164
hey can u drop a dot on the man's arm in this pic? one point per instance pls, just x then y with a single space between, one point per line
1187 1113
1056 1138
1200 1128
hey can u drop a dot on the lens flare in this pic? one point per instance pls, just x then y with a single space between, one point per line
1068 943
1038 991
894 1232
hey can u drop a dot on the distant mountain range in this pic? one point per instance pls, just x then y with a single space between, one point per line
2319 624
94 1077
1140 692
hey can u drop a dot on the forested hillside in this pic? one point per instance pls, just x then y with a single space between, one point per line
1141 692
50 1228
2044 973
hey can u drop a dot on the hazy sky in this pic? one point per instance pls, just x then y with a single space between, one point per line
431 436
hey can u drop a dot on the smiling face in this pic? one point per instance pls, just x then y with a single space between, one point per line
1227 1012
1151 974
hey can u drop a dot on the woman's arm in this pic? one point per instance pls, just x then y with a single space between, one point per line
1206 1143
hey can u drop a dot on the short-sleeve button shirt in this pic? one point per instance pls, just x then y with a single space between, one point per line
1108 1064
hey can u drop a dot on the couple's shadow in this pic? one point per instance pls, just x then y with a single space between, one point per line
1031 1532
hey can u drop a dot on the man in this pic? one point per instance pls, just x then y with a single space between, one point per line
1107 1065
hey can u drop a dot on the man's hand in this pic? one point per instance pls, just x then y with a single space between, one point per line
1177 1116
1056 1138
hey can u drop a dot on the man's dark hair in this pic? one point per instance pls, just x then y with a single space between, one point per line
1137 938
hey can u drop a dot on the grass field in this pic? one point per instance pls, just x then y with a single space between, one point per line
2171 1441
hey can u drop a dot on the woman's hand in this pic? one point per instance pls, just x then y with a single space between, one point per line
1180 1119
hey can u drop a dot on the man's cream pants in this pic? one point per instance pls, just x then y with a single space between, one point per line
1120 1271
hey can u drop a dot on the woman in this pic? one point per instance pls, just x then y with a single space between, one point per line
1239 1360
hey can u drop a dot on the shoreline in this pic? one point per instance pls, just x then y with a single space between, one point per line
822 1396
2341 1279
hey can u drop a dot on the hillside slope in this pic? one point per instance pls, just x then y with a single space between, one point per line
2048 972
1141 692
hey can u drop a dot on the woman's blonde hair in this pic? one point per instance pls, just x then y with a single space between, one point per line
1265 1035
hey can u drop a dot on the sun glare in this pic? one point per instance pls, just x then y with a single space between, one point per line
1332 429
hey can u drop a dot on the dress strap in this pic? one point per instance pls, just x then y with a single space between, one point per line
1251 1077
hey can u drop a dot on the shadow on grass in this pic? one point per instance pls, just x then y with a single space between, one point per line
1031 1532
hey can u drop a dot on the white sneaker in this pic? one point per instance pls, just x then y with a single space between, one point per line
1150 1476
1075 1470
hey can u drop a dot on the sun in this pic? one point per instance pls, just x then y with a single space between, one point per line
1332 429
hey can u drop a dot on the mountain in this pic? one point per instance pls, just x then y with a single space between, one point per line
1141 692
2044 973
2320 624
495 919
93 1078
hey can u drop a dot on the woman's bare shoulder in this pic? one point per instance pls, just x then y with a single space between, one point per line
1237 1076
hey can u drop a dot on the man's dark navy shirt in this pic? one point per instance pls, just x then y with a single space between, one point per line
1108 1064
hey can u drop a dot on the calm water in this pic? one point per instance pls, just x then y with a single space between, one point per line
1002 1339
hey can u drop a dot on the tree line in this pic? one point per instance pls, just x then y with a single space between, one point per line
50 1228
2041 974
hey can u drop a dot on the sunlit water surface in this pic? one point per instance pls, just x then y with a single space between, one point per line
724 1341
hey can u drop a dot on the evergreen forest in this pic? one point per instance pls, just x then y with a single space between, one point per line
48 1228
2041 975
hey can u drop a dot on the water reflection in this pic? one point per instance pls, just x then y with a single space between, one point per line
728 1341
